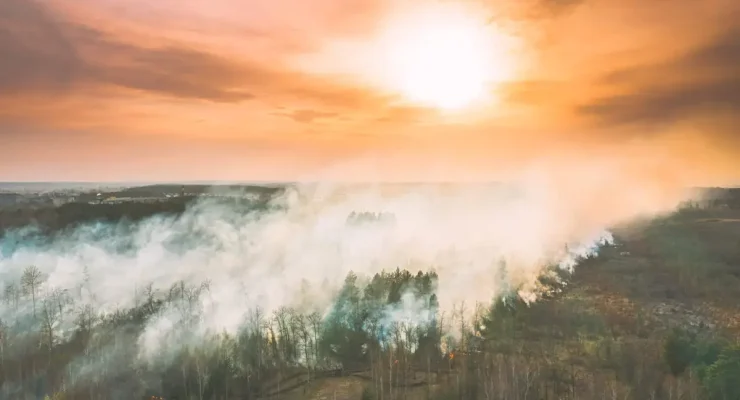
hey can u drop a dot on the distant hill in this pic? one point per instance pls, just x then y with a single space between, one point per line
159 189
131 204
44 187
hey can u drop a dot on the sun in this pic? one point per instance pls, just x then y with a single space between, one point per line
444 57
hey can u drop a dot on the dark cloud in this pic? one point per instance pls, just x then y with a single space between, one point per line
175 71
35 52
700 83
47 57
44 52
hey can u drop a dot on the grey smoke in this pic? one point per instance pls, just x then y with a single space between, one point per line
298 253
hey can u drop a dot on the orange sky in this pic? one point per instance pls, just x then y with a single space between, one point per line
114 90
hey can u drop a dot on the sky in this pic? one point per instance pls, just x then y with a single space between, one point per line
134 90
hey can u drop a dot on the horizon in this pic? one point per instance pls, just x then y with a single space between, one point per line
276 182
9 187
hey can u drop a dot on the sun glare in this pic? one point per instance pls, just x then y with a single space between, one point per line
444 57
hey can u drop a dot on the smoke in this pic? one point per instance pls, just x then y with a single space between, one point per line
221 261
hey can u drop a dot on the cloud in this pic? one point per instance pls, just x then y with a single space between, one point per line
48 53
534 93
178 72
307 116
551 8
35 51
231 70
700 83
535 11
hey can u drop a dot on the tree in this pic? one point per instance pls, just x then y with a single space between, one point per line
679 351
721 380
30 281
49 319
12 297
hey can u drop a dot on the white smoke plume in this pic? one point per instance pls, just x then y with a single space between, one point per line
298 252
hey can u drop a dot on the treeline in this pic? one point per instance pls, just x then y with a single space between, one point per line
50 220
721 198
54 342
387 330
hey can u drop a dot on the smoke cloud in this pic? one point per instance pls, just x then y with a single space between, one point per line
228 261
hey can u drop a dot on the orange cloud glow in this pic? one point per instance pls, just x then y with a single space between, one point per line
362 89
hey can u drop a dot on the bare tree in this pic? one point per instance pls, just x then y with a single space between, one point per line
315 320
60 299
85 318
302 326
9 293
11 296
30 281
202 370
49 319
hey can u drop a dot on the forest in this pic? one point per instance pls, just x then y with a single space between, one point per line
510 350
386 337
